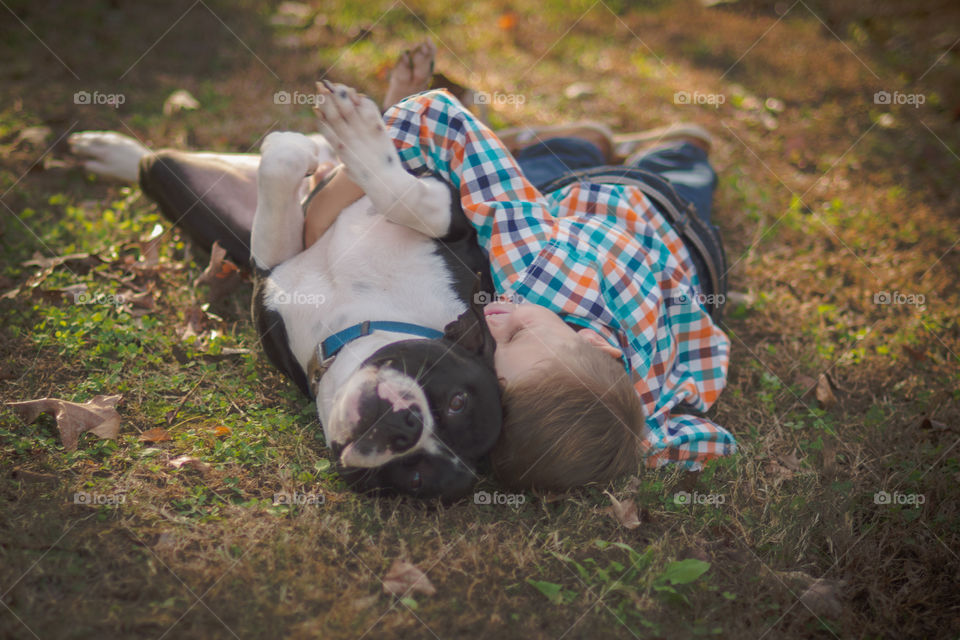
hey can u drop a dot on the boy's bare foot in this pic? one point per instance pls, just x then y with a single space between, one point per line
412 72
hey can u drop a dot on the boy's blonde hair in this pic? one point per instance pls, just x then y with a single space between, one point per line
577 422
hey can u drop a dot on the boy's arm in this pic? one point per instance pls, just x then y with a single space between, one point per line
433 132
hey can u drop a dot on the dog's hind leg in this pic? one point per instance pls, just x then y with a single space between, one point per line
286 160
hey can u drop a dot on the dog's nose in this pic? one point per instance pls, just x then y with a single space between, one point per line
383 426
408 426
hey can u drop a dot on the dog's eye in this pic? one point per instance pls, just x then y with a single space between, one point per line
457 403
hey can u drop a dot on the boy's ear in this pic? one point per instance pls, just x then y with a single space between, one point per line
598 341
470 329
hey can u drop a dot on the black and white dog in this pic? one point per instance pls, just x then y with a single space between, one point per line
376 319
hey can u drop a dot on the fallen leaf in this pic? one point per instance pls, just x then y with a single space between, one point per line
180 100
97 416
915 354
777 472
578 90
365 602
222 275
935 425
404 578
195 320
189 461
625 512
33 136
823 598
157 434
221 431
825 395
507 21
790 461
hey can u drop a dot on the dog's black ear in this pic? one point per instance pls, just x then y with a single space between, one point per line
470 329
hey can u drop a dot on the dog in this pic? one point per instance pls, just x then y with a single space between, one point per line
378 321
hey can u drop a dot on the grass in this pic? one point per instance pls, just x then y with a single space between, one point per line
827 199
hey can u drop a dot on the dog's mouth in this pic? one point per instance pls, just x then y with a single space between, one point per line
382 414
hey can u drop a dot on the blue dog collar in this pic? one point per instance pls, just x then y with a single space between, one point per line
332 345
328 349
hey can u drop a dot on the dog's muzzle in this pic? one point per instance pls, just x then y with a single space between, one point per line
380 414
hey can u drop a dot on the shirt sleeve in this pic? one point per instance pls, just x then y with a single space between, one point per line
433 131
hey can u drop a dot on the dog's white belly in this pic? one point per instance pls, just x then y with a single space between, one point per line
363 268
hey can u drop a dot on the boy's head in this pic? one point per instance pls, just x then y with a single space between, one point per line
571 413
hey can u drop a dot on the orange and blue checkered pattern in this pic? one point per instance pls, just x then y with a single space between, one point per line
600 256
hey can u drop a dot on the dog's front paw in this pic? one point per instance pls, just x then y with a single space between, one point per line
352 123
288 156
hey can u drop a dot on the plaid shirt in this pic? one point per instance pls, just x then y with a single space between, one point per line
600 256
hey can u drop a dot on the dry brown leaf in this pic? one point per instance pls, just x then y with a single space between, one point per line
507 21
98 416
189 461
790 461
777 472
222 275
935 425
221 431
625 512
157 434
365 602
404 577
825 395
194 323
823 597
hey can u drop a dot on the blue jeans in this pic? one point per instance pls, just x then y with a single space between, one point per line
685 165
